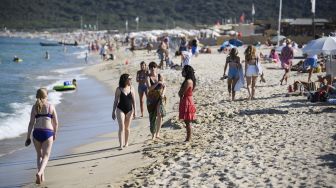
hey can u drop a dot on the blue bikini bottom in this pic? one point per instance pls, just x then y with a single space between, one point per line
42 135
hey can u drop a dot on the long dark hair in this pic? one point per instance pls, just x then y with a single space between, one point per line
123 80
189 74
233 53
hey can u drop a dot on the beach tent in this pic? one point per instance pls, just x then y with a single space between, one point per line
322 45
236 42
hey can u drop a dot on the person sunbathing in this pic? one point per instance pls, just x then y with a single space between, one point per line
314 86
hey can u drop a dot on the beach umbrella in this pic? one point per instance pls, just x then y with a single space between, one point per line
321 45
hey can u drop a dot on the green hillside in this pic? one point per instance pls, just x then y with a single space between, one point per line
111 14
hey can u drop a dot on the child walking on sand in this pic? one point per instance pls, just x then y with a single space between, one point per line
187 107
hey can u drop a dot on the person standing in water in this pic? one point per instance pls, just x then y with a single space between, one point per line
124 108
187 107
86 57
44 126
141 78
47 56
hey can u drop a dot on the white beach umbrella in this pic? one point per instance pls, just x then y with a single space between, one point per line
321 45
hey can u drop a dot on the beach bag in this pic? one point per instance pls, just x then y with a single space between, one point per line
153 98
162 108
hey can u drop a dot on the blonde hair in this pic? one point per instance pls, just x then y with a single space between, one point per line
250 53
41 94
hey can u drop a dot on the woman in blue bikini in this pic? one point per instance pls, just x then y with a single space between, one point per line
44 125
141 78
233 61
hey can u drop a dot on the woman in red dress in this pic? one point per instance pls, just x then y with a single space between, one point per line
187 107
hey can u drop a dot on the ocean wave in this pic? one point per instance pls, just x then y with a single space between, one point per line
83 46
15 124
47 77
3 114
81 54
68 70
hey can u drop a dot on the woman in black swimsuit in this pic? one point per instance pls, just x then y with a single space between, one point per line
124 108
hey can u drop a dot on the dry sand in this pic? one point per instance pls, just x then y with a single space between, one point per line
273 141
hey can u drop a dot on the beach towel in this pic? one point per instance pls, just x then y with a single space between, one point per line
240 83
153 100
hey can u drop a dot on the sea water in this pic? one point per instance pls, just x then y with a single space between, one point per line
20 80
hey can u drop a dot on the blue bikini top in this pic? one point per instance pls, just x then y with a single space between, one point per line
45 115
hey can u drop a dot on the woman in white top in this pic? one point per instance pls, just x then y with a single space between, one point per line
251 70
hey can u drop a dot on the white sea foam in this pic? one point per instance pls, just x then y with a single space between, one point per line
68 70
3 114
83 46
15 124
47 77
80 54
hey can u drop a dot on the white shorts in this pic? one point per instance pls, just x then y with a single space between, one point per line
251 70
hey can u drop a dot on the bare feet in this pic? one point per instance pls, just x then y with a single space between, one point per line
159 138
38 179
126 145
121 148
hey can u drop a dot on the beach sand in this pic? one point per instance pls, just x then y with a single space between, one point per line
272 141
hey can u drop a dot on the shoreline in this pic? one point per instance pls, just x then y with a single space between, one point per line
264 142
85 159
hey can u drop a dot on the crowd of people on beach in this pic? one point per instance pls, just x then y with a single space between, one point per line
43 125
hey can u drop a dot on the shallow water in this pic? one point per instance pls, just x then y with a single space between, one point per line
19 81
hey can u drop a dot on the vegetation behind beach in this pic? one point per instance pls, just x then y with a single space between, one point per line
39 14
